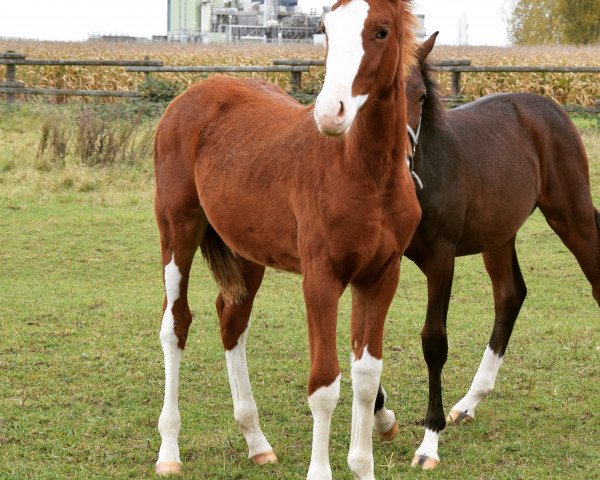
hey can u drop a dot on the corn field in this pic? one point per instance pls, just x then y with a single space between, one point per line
566 88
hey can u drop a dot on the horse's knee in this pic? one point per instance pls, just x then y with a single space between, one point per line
366 374
182 319
435 348
245 415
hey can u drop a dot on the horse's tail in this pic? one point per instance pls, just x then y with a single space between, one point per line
223 265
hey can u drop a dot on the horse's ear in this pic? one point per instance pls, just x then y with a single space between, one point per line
426 47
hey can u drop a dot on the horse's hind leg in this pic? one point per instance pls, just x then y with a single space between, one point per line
566 202
385 420
180 232
571 214
509 294
234 319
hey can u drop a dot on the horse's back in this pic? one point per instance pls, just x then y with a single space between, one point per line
216 112
241 142
511 146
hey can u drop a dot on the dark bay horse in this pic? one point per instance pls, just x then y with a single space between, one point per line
485 168
521 151
243 171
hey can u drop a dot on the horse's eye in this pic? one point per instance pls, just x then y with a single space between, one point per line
322 27
383 33
423 98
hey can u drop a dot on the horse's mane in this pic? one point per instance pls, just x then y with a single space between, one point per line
434 110
410 44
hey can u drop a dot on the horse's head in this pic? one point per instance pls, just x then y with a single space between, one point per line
364 47
416 87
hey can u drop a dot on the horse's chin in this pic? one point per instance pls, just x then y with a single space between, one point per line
334 130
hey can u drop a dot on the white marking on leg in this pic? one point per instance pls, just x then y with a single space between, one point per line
169 422
244 406
322 404
366 374
384 419
429 445
345 51
483 383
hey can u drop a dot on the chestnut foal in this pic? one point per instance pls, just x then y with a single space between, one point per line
241 168
485 168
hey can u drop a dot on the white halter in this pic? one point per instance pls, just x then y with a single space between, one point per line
410 159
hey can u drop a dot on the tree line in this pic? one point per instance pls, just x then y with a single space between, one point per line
534 22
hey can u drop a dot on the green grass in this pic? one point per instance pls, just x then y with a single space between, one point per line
82 382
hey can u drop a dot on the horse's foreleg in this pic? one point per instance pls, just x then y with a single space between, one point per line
235 323
509 294
370 304
180 236
439 272
322 293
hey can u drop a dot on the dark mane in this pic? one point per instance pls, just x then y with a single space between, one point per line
434 110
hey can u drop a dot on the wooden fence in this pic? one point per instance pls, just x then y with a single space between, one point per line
457 67
295 67
12 87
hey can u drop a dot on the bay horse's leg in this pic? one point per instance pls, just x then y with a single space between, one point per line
439 271
570 213
322 292
235 323
509 294
370 304
180 234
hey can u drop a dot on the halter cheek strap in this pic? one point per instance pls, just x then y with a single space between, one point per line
410 159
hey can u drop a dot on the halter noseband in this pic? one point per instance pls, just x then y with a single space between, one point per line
410 159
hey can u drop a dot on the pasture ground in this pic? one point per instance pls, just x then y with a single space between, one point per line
81 365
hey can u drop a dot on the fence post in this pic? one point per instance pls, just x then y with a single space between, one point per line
456 88
147 76
295 81
11 74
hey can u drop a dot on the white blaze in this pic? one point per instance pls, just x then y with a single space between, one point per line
344 27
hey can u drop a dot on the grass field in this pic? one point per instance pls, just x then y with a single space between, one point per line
81 364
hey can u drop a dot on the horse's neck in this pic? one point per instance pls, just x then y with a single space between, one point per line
377 143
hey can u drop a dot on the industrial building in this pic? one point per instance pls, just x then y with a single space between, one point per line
275 21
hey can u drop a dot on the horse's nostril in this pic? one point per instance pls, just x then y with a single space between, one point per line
341 111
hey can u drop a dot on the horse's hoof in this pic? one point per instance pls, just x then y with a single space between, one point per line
425 462
458 418
168 468
390 434
264 458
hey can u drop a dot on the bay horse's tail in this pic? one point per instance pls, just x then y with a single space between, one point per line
224 266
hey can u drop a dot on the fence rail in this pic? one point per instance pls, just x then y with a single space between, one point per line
11 87
459 66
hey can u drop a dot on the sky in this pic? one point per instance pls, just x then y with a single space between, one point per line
77 19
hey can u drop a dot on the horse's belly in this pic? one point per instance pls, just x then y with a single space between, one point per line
258 225
490 228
